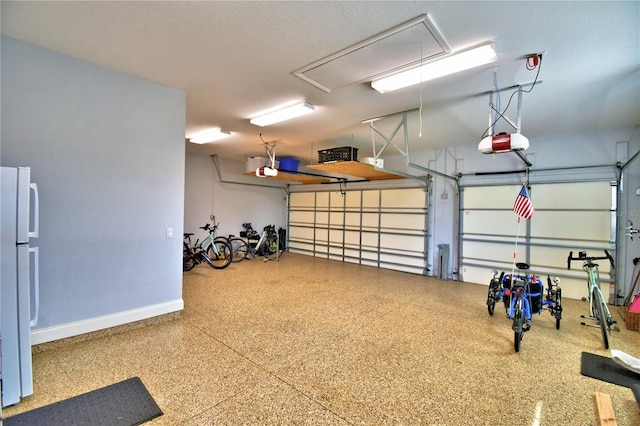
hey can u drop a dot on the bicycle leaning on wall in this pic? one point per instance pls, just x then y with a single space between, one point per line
239 246
215 251
598 309
268 244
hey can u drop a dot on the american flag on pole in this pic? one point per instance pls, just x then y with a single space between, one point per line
523 206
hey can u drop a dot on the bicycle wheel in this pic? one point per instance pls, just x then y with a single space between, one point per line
271 247
492 295
599 312
518 321
188 261
558 307
219 255
239 249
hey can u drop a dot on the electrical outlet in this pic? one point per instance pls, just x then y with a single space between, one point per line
169 232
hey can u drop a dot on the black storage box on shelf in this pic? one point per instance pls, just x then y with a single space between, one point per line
345 153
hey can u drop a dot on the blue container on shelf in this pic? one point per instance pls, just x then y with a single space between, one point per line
288 164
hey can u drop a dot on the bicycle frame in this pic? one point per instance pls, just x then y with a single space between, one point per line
216 258
527 280
524 297
593 286
598 309
265 239
204 246
201 248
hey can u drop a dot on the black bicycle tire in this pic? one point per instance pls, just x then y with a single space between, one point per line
517 340
222 260
271 247
491 301
188 262
239 248
517 321
558 307
599 304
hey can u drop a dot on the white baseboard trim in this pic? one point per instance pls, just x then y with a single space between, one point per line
76 328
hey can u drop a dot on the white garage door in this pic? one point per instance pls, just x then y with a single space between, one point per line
386 228
568 217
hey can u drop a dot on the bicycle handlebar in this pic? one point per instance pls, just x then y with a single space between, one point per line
207 227
588 259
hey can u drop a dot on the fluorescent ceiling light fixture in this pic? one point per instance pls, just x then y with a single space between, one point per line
461 61
210 135
283 114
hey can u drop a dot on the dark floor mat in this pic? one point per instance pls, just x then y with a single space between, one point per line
636 392
125 403
606 369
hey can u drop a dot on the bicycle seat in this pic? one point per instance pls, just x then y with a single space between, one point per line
522 265
187 234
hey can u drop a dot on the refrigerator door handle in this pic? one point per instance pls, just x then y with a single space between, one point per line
36 211
36 285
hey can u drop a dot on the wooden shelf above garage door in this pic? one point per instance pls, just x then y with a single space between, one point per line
294 177
354 168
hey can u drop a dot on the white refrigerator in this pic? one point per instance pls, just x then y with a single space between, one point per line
19 217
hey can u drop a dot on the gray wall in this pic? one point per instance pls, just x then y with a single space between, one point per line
107 152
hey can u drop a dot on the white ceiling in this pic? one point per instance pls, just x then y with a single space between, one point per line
235 59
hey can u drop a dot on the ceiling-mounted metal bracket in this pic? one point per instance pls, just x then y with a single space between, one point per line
270 150
517 125
405 152
402 124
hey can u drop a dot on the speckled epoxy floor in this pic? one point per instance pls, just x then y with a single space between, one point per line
312 341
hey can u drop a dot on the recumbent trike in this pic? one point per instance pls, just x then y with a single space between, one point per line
524 295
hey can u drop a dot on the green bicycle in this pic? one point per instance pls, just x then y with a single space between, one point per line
215 251
598 309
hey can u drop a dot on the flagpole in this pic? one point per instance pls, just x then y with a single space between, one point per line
523 208
515 250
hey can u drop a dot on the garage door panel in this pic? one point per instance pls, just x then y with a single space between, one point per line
369 239
411 198
298 232
352 237
491 197
371 200
336 218
585 195
402 242
497 252
322 200
402 221
336 236
568 216
362 225
576 225
495 222
302 200
322 217
302 217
